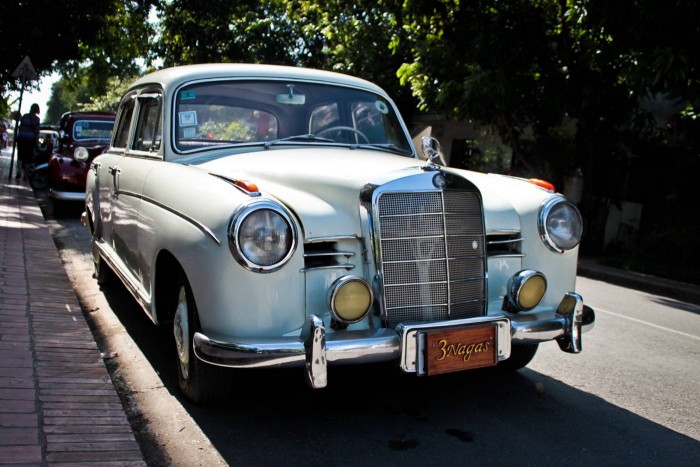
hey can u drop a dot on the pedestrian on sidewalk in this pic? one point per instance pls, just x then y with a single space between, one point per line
27 136
3 136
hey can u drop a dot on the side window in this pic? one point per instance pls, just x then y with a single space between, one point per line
148 129
121 136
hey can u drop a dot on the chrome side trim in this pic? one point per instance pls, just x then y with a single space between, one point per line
129 281
502 232
346 266
329 253
331 238
203 228
503 242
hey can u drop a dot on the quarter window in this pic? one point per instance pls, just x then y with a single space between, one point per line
125 115
148 130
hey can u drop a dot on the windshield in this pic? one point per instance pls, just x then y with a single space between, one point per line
92 129
249 112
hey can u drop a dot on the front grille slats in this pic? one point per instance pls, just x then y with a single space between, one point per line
432 256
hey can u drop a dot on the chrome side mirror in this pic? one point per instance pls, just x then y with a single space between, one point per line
431 150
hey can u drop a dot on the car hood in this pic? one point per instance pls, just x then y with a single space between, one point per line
323 186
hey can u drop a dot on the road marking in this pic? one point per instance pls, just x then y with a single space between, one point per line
647 323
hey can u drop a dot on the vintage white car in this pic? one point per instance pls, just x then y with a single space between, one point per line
279 216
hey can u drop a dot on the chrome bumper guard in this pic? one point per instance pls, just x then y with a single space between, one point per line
314 349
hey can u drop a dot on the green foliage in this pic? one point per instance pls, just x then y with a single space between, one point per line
352 37
109 101
202 31
228 131
80 39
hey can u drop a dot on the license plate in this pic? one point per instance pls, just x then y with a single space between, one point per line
460 349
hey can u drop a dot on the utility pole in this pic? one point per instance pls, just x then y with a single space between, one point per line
25 72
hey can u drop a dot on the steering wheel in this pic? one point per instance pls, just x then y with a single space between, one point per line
344 128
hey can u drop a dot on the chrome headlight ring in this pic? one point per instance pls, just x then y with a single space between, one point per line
262 236
560 225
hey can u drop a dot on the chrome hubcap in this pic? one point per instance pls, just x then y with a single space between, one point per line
181 329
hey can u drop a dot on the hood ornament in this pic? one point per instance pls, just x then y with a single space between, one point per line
431 150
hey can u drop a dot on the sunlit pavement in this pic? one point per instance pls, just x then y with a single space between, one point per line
57 401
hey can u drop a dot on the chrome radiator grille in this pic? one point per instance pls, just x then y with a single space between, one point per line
432 256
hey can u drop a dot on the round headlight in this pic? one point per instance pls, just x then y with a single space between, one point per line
80 154
350 299
262 236
560 224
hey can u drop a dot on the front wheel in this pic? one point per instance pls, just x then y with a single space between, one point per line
199 381
38 179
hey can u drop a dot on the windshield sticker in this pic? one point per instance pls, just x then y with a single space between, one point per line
382 107
187 95
188 118
189 133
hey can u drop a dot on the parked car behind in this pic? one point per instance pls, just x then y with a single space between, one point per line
276 217
82 136
38 170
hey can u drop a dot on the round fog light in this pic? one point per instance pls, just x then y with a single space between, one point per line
350 299
526 289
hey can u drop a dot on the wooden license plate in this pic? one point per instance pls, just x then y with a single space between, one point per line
460 349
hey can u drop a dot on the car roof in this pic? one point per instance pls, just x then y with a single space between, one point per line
175 76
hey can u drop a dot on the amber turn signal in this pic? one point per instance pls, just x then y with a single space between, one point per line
542 184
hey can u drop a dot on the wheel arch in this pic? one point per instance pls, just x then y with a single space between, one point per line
167 270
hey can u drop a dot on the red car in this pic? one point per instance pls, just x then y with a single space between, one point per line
82 137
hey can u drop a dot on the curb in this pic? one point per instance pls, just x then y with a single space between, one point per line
589 267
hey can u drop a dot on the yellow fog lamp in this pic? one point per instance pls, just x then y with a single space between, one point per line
350 299
526 290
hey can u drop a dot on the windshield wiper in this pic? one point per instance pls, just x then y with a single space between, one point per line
307 137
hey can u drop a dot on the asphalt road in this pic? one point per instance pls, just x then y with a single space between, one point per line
631 398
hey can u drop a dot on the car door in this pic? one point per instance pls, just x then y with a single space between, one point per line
130 174
105 169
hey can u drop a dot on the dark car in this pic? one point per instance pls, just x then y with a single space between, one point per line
82 137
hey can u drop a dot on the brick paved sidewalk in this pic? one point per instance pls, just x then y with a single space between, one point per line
57 401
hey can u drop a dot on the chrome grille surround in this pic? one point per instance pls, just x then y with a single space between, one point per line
431 255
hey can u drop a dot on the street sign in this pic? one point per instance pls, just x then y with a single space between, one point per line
26 70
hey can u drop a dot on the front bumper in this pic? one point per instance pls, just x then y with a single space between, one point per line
315 349
67 178
61 195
